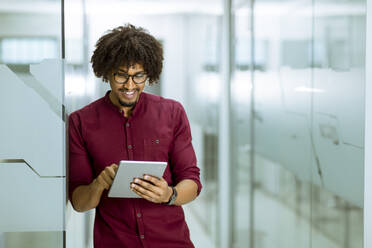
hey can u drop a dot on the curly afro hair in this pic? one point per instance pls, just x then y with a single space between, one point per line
125 46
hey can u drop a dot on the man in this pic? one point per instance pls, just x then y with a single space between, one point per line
128 124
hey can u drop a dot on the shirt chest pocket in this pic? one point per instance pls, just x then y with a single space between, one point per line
157 149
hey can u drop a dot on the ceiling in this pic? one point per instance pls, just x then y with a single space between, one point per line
114 6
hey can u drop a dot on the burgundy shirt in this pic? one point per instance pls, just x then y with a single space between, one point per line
158 130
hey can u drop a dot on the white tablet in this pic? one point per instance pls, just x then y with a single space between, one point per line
130 169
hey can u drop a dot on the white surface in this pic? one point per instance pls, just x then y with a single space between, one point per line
33 131
28 202
79 228
225 196
284 131
198 235
368 135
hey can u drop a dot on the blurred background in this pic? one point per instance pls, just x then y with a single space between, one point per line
274 91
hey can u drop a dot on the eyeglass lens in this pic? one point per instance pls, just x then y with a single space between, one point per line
123 78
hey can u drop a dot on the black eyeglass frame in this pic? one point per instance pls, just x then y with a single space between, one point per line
130 76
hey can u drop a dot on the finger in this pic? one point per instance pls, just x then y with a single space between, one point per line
110 171
156 181
148 186
143 195
108 179
115 167
102 182
145 192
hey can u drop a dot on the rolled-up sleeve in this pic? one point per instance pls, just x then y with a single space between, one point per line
182 157
80 170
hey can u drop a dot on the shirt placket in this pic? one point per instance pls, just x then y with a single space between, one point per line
129 139
137 204
140 225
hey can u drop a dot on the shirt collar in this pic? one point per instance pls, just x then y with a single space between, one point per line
137 108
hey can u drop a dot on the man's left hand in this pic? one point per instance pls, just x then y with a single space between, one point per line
152 189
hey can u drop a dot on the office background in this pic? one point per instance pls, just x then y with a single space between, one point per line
276 93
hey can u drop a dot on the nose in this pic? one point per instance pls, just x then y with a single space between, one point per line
130 83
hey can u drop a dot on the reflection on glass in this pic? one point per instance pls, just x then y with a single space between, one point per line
203 102
32 240
27 50
241 88
308 118
339 53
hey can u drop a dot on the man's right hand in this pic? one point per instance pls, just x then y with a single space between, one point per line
86 197
106 177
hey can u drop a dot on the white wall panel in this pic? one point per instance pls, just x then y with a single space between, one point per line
368 134
32 148
28 202
32 107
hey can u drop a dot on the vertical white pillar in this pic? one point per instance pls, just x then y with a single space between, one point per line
368 134
225 194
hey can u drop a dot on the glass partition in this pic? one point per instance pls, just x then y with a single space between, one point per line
338 122
190 33
203 99
32 130
241 115
297 114
307 149
283 144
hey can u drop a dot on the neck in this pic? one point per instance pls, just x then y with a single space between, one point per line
127 111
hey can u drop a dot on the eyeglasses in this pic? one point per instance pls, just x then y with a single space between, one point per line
122 78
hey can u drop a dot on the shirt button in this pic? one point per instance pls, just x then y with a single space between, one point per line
129 146
139 215
157 141
127 125
142 236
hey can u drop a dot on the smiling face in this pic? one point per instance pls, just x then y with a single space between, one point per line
126 95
